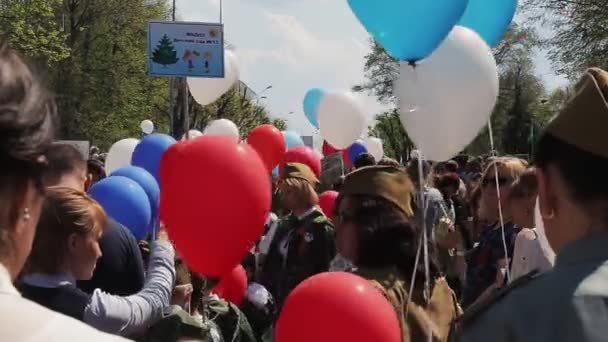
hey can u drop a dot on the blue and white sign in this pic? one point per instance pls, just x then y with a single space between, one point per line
185 49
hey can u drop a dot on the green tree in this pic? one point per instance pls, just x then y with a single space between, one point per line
388 128
33 29
580 32
165 53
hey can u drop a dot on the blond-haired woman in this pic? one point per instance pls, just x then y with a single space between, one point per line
487 262
66 249
303 244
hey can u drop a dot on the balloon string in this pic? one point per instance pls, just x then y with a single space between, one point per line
500 214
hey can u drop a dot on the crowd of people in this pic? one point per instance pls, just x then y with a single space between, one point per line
453 246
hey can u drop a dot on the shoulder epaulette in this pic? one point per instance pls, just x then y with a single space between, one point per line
480 307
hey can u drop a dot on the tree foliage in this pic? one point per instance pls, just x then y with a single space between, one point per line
95 57
580 27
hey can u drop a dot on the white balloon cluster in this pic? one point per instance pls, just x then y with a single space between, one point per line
449 97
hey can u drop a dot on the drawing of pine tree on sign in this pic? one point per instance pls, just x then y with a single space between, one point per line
165 53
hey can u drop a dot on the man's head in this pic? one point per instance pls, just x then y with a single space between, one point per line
66 167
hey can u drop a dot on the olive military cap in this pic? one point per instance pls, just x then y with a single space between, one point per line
583 121
299 171
387 182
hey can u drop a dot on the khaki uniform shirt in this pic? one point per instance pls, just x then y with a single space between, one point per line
568 303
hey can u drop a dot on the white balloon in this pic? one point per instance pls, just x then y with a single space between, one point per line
542 235
448 98
192 134
223 127
120 154
147 126
341 119
207 90
375 148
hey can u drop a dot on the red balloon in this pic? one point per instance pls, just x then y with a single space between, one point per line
268 141
215 200
327 200
328 149
304 155
334 307
348 164
233 286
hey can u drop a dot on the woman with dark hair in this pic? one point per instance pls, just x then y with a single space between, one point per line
375 230
27 125
570 302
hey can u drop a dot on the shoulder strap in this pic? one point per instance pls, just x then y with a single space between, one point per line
479 308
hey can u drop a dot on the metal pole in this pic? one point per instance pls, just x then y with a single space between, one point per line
221 13
186 110
172 91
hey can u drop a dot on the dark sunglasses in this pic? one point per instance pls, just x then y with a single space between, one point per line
492 181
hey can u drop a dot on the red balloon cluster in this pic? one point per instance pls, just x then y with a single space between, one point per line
304 155
352 310
268 141
233 286
327 201
215 199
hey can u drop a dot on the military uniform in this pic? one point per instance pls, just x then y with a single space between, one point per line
422 318
301 246
570 302
310 247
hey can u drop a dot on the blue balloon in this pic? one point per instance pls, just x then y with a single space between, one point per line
275 173
409 30
149 151
126 202
292 139
489 18
311 105
146 181
355 150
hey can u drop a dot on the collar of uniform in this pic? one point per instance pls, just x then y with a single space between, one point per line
306 213
6 283
48 280
592 247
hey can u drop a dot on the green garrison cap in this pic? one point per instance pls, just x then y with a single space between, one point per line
299 171
387 182
583 122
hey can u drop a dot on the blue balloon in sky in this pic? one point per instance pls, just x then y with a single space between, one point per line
292 139
355 150
146 181
126 202
409 30
149 151
311 105
489 18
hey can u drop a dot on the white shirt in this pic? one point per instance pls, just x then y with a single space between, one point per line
528 255
26 321
130 314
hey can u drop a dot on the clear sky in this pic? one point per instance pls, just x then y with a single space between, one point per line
295 45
